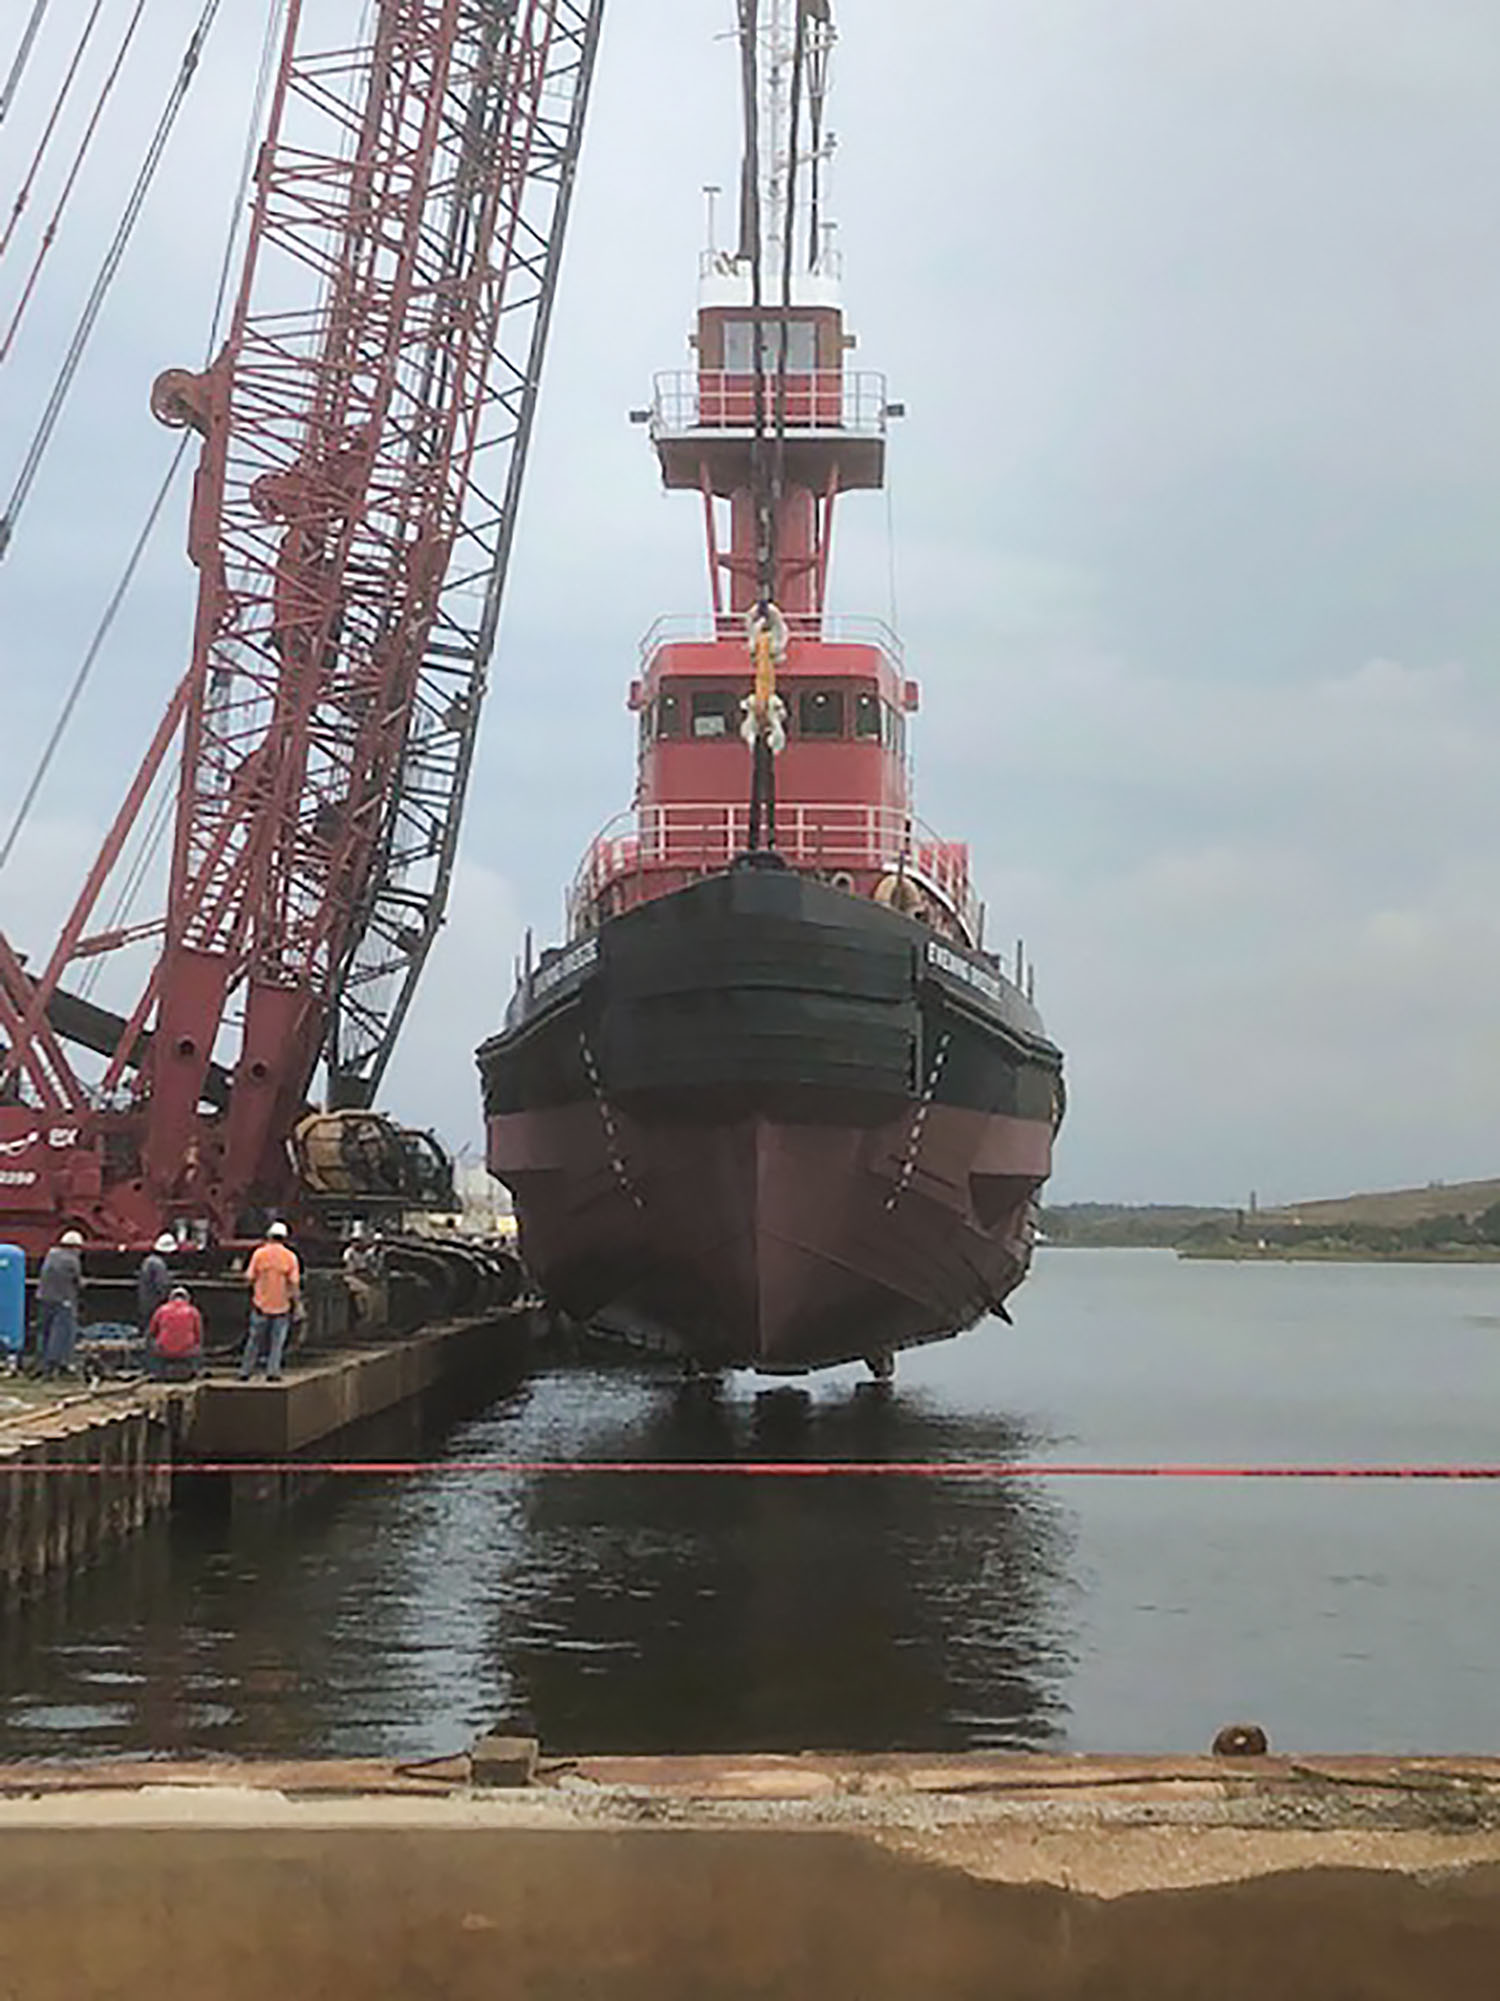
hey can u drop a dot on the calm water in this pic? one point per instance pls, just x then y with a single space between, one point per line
635 1612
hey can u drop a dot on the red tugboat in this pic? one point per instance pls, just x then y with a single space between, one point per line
772 1103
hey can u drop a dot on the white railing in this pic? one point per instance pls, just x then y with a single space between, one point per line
819 399
686 628
832 838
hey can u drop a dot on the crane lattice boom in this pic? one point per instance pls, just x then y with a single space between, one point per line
364 432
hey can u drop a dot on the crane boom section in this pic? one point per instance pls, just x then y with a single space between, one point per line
363 431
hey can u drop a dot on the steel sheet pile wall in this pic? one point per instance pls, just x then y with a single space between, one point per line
71 1487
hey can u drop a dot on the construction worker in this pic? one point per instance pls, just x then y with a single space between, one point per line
59 1291
364 1265
153 1281
275 1280
174 1338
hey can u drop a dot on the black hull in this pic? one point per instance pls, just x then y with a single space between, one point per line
771 1124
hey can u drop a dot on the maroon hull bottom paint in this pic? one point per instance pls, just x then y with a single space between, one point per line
770 1244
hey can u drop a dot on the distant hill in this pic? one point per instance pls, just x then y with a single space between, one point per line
1445 1216
1394 1208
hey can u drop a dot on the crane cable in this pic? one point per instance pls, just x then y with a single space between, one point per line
153 515
788 227
50 127
817 94
90 658
22 55
49 234
764 724
69 369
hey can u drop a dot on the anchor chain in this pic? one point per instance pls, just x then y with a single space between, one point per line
607 1120
919 1121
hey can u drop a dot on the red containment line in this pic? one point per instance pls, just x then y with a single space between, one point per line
811 1469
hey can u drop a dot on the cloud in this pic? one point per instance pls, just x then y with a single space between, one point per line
1194 310
1270 956
466 984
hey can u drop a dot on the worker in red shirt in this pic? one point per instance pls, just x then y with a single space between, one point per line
275 1280
174 1340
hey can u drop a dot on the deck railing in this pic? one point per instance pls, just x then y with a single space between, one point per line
849 400
680 628
833 838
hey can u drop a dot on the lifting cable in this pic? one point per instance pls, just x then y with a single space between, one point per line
81 678
18 65
788 231
49 234
69 369
750 250
50 127
153 515
817 93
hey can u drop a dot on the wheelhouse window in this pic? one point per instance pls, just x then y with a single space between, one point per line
868 719
801 338
820 712
716 712
669 716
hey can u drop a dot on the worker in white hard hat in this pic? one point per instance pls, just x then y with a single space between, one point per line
153 1281
275 1280
59 1294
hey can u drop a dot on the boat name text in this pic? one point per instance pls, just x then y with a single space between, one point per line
944 961
577 959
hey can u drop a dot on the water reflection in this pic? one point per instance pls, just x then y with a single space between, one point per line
742 1612
617 1612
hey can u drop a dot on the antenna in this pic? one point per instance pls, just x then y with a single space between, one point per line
711 197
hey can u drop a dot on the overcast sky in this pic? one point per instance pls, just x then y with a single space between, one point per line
1195 309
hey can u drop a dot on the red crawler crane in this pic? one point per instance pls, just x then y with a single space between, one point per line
364 434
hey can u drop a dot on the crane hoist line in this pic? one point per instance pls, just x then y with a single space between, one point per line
361 438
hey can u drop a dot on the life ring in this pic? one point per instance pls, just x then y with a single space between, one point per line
841 879
899 892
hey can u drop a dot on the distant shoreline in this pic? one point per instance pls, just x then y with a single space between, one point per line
1340 1254
1443 1223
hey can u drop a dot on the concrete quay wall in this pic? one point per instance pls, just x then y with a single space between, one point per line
1010 1879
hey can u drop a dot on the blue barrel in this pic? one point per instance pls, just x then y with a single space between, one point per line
12 1299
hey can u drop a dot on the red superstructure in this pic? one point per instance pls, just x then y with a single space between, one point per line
364 430
843 799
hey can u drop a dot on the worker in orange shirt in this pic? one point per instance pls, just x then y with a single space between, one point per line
275 1280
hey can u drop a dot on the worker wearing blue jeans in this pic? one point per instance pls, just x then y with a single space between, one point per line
274 1276
58 1289
56 1335
271 1328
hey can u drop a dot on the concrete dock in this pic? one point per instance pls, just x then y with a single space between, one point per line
327 1397
1048 1879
